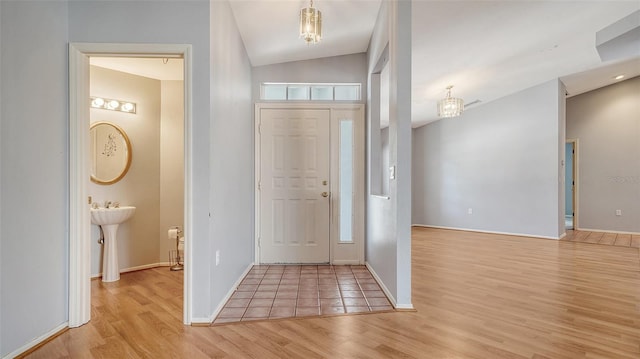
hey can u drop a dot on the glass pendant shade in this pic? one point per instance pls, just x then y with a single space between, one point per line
311 24
450 106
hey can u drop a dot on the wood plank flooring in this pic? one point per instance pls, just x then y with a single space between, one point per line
477 296
611 239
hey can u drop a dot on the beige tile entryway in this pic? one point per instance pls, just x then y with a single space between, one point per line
285 291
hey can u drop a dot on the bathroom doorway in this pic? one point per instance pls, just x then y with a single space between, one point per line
159 132
570 218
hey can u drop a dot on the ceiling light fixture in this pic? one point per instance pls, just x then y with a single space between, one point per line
311 24
450 106
113 105
619 77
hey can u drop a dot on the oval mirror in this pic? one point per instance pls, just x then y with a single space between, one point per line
110 153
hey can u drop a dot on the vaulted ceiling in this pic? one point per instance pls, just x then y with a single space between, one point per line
485 49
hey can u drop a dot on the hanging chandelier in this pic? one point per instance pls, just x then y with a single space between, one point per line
311 24
450 106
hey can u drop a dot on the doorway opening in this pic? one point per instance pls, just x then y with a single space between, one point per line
157 122
570 217
310 183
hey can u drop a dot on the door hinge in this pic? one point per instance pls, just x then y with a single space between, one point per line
259 241
259 185
260 128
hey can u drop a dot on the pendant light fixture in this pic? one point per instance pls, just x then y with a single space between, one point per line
450 106
311 24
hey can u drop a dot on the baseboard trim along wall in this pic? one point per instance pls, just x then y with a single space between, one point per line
137 268
196 322
482 231
38 342
386 291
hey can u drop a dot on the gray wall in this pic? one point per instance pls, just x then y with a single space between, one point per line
232 155
606 123
501 159
388 238
346 68
34 148
34 168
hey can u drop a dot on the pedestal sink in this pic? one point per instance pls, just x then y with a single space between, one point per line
109 219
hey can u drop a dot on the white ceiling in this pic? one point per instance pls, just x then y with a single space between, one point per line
270 28
486 49
491 49
155 68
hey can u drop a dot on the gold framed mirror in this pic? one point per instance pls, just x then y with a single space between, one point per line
110 153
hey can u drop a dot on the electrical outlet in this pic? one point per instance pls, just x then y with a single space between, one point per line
470 211
618 212
217 257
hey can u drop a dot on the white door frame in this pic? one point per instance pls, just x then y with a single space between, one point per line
340 253
79 213
575 181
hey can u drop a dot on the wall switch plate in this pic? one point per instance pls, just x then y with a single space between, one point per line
470 211
217 257
618 212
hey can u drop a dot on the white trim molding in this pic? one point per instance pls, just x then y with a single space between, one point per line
37 341
483 231
79 214
212 317
390 296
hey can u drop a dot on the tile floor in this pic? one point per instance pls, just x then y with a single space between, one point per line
285 291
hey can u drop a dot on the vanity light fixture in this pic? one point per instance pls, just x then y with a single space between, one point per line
311 24
450 106
113 105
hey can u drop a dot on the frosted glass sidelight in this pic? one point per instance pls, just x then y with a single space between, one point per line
346 181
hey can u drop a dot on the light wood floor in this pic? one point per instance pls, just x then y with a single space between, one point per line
611 239
477 296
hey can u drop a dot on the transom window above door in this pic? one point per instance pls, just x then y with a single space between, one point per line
276 91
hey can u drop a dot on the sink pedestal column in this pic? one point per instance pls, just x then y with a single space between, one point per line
110 268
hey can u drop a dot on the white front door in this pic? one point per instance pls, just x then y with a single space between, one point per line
294 186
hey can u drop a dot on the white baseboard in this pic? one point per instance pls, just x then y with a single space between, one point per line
606 231
137 268
36 341
483 231
346 262
386 290
209 320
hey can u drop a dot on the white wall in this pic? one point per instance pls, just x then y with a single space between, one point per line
33 166
501 159
606 123
388 238
232 155
346 68
171 163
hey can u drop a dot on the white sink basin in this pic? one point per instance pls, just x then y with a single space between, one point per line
108 219
106 216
